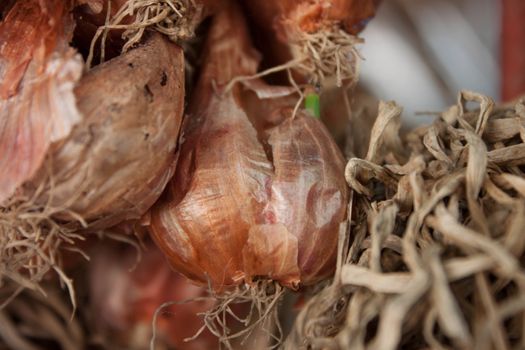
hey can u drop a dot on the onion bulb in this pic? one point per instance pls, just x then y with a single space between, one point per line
117 162
257 193
124 298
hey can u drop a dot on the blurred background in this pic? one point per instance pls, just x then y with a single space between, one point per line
422 52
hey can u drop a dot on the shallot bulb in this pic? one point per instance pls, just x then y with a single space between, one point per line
118 160
257 192
317 36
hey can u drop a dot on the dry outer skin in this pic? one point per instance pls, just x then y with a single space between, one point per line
312 16
254 194
117 161
38 71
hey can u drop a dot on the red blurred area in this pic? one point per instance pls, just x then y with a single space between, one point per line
513 49
124 299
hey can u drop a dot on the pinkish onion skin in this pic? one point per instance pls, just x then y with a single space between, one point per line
38 71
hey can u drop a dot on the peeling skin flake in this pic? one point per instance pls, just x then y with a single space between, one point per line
38 71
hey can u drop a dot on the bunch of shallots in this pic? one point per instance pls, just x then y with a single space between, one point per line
247 202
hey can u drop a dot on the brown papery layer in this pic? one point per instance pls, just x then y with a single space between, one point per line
117 161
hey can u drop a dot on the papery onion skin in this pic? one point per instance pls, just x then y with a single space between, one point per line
117 161
309 196
124 299
38 72
252 195
31 32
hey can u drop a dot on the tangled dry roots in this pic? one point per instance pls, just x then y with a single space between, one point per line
32 318
262 297
327 54
31 242
438 237
177 19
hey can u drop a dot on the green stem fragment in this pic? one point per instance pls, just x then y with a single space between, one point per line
312 104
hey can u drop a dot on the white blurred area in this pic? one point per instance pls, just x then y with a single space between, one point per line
420 53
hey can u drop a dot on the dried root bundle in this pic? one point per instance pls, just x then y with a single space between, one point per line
248 311
437 237
177 19
31 242
322 56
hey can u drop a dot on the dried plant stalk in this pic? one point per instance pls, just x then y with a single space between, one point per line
442 272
